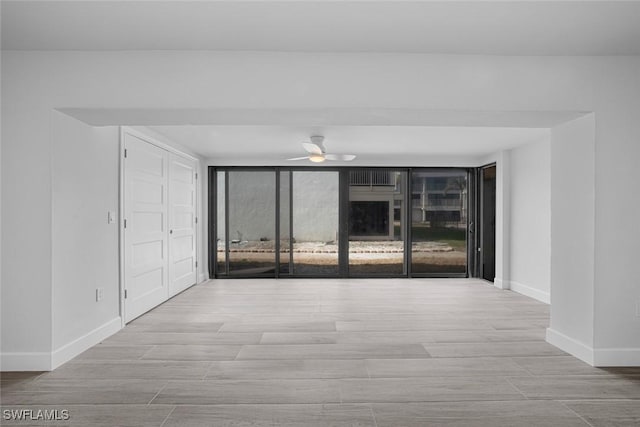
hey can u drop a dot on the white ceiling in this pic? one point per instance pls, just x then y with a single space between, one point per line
456 27
399 145
378 136
240 137
319 118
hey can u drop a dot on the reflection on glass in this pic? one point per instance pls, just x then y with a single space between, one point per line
285 223
220 229
376 224
309 204
439 222
252 211
488 223
315 203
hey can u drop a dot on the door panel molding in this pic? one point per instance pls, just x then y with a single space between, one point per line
146 223
145 243
182 223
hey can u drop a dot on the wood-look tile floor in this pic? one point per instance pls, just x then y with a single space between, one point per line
351 352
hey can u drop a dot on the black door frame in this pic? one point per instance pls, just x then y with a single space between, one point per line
343 241
480 230
470 218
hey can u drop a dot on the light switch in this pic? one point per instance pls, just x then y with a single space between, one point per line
111 217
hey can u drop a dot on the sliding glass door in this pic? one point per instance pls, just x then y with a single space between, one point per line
220 224
314 220
341 222
487 223
251 217
276 223
284 224
439 222
377 222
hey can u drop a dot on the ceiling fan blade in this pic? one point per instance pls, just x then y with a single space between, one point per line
299 158
312 148
343 157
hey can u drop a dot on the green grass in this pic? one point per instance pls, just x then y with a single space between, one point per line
454 237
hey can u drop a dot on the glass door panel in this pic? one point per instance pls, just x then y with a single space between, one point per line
376 222
221 259
251 221
488 223
439 222
304 213
285 223
315 206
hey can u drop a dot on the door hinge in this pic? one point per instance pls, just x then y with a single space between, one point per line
196 175
125 294
125 153
196 220
196 264
125 223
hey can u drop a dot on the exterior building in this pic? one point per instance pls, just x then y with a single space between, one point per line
440 200
375 203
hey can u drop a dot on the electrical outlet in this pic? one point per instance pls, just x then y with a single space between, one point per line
99 294
111 217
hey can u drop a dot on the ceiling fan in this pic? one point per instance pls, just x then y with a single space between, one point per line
318 154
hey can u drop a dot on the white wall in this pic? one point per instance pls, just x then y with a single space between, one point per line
35 83
617 209
530 228
1 257
573 201
26 226
85 246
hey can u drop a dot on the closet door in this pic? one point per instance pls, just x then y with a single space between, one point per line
182 223
145 234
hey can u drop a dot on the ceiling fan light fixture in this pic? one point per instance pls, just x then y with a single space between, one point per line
317 153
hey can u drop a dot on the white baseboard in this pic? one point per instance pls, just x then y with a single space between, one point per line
571 346
202 278
500 284
610 357
534 293
85 342
35 362
601 357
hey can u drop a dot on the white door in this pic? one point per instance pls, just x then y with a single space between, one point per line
182 223
146 233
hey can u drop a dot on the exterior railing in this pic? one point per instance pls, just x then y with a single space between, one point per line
372 178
